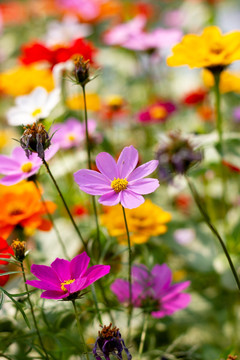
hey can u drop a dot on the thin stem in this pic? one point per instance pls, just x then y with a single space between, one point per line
65 204
80 329
89 166
212 228
52 221
96 303
32 311
218 111
143 335
129 270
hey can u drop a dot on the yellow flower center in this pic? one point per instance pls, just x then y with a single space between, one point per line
119 184
158 112
71 137
66 282
216 48
36 112
27 167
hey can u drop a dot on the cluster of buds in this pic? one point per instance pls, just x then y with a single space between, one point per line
19 248
109 341
81 71
176 156
35 139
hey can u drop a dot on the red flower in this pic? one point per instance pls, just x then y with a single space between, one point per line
37 52
4 278
194 97
5 249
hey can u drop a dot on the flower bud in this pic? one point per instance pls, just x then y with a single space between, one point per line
81 70
35 139
19 248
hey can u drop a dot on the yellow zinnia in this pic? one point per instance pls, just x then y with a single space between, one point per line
75 102
22 80
143 222
210 50
229 81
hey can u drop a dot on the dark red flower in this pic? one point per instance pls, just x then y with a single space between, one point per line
5 250
4 278
37 52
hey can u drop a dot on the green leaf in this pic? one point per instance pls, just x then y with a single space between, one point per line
17 305
10 273
11 261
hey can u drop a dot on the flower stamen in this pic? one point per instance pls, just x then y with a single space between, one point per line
119 184
66 282
27 167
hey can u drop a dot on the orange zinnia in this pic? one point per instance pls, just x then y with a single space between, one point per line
21 205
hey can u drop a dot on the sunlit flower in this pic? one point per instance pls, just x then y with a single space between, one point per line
119 182
143 222
18 166
22 80
38 52
75 102
71 133
32 107
21 206
66 279
157 112
229 81
210 50
110 341
152 291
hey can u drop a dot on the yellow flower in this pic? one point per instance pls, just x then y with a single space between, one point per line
229 81
22 80
75 102
211 49
143 222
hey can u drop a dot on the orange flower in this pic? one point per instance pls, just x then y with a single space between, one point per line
21 205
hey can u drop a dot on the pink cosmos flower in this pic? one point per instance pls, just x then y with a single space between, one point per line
88 10
18 166
71 133
119 182
153 291
131 35
66 278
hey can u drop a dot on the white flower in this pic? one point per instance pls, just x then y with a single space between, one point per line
30 108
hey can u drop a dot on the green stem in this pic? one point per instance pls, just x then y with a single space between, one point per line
212 228
89 165
143 335
32 311
80 329
218 111
129 270
65 204
96 303
52 221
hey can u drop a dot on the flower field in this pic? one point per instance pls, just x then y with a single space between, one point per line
119 179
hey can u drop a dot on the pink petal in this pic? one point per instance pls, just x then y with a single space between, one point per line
163 278
140 272
79 264
49 294
107 165
92 182
110 198
76 286
131 200
44 285
8 165
95 272
179 302
49 153
121 289
144 186
127 161
175 290
12 179
62 268
45 273
143 170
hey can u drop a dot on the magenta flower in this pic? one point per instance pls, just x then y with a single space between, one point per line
155 113
65 278
119 182
18 166
153 291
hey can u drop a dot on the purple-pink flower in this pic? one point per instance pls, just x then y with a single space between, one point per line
18 166
157 112
66 278
119 182
153 291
